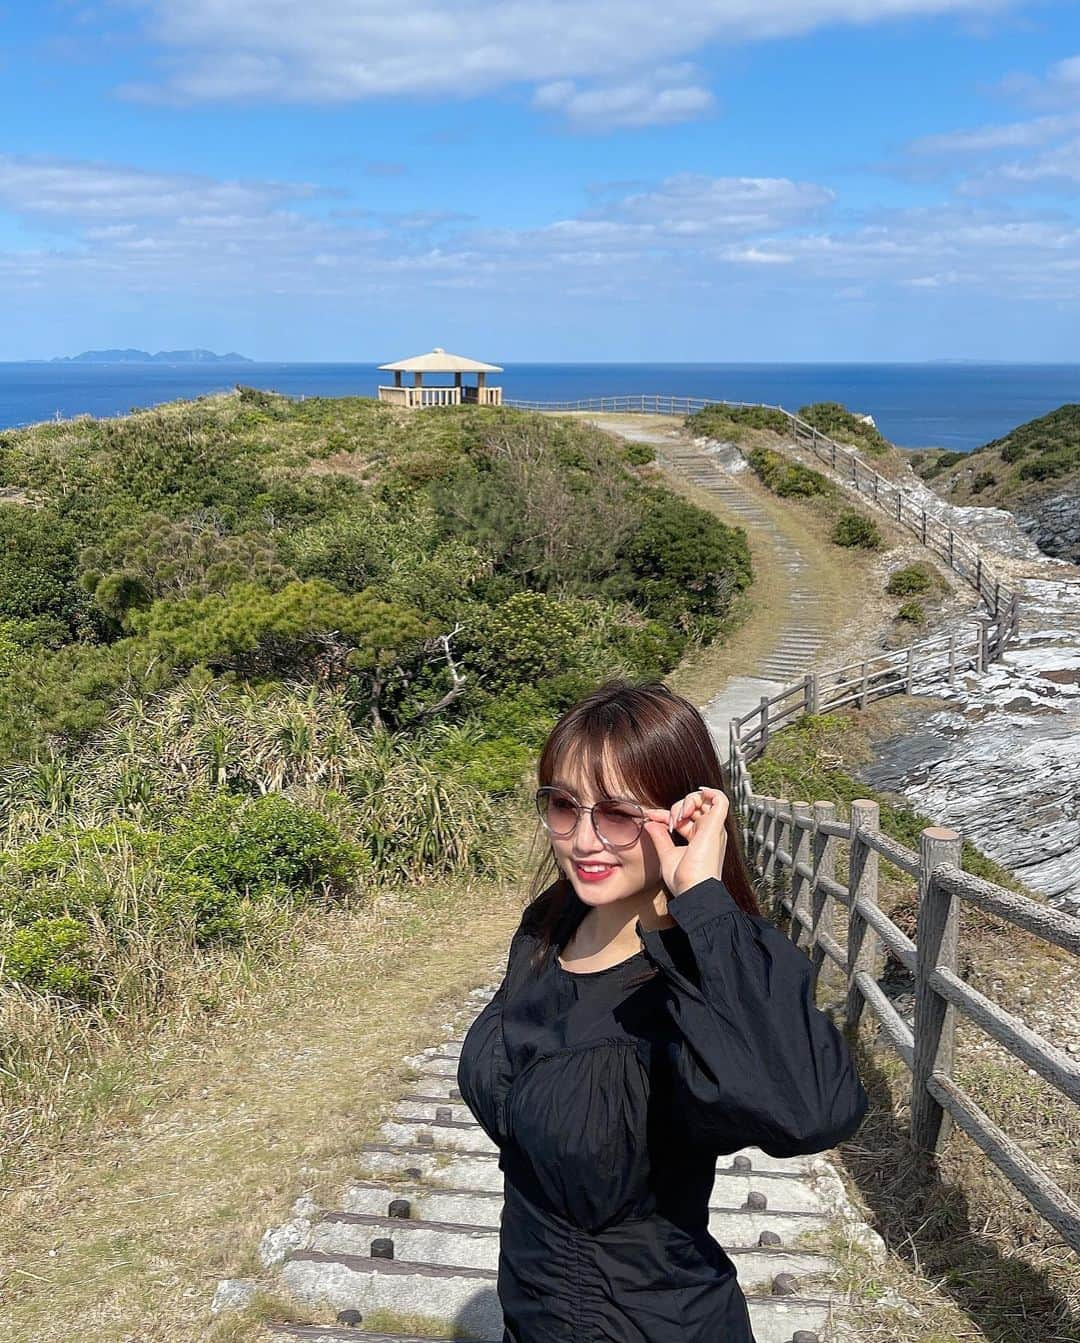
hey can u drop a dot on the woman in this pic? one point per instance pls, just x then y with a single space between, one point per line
650 1020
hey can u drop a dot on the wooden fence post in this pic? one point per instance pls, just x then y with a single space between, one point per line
924 526
780 881
800 853
978 576
811 693
952 543
862 885
899 506
823 861
760 831
935 1017
862 688
910 670
769 864
981 658
764 733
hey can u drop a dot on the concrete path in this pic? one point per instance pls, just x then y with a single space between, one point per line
721 470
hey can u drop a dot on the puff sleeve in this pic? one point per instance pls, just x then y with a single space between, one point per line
755 1062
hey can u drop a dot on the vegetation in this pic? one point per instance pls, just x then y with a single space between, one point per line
811 760
836 421
1042 454
736 424
787 477
853 528
915 580
261 656
912 611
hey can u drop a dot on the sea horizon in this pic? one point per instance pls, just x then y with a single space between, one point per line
946 403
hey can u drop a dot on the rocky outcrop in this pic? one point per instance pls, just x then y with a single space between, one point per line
1001 763
1053 523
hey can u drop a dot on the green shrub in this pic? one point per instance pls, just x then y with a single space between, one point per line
982 480
788 478
684 561
264 846
911 579
836 421
731 422
912 611
301 627
1048 446
52 955
939 463
1050 465
639 454
855 529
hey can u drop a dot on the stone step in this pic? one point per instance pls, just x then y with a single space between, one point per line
480 1170
468 1297
483 1208
436 1242
460 1135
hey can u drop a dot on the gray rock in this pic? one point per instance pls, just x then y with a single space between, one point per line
1053 524
279 1240
233 1294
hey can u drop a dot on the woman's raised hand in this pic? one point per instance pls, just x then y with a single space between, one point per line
699 817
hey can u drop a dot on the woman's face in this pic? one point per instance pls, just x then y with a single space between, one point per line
600 874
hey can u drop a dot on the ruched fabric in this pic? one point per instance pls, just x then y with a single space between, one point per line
610 1094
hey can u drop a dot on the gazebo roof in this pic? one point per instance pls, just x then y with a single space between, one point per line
438 361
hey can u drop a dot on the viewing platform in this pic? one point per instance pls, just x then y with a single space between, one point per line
440 394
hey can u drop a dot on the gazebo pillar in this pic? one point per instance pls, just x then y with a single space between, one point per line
481 383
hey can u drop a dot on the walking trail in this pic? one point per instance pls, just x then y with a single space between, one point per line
417 1232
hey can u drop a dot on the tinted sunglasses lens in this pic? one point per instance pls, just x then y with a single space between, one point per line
558 811
620 823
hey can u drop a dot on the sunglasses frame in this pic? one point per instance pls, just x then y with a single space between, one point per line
548 789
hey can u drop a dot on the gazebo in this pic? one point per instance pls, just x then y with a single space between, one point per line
439 361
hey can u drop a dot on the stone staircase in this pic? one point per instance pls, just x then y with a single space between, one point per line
417 1232
800 636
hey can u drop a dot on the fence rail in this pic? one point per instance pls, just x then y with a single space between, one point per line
794 846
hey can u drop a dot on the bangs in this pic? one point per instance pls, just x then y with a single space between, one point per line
602 753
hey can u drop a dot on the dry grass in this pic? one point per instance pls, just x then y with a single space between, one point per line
206 1139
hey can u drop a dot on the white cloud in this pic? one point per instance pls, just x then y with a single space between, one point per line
85 190
329 51
688 236
659 98
1038 154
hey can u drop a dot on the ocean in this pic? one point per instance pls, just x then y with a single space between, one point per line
956 406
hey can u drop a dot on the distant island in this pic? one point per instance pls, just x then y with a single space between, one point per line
144 357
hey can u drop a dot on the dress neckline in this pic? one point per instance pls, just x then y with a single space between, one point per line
592 974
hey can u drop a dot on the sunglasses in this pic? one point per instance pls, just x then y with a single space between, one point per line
618 821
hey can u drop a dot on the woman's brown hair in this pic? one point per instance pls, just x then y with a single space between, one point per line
663 749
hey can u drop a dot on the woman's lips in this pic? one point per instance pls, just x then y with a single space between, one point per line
594 876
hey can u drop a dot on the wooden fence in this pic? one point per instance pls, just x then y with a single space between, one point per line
795 845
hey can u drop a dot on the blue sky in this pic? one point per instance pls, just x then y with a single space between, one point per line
543 179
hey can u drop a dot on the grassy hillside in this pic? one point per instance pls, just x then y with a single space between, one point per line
260 657
1035 459
1034 471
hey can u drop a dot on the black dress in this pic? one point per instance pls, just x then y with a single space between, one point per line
610 1095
